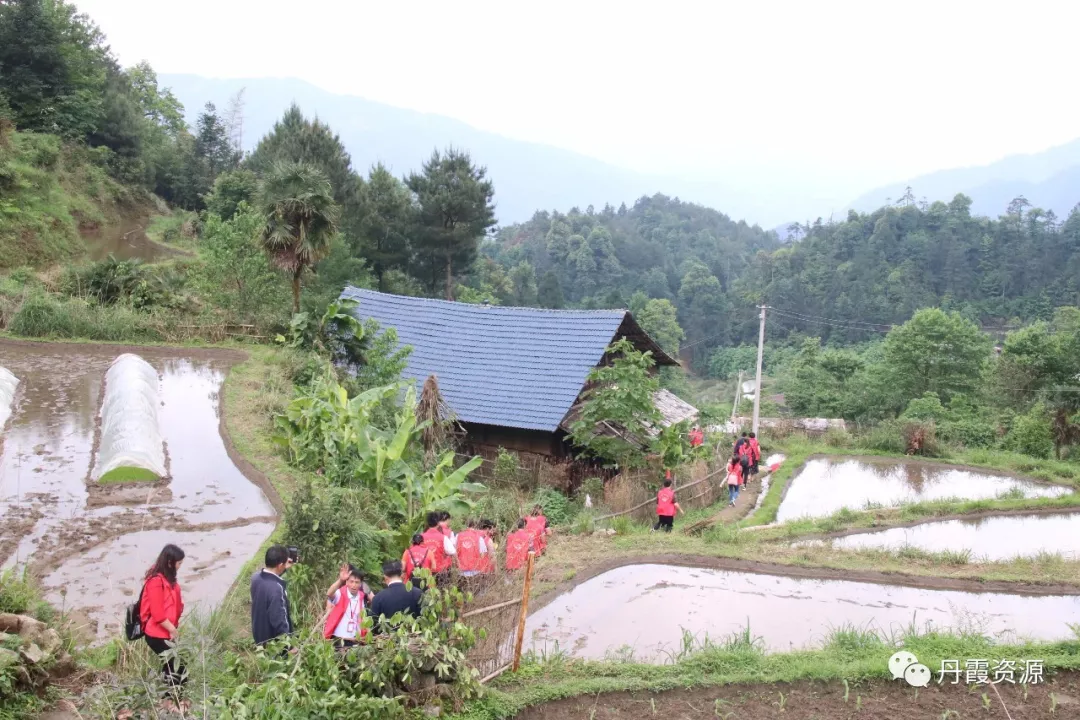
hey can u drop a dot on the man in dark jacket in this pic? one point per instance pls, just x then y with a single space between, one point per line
394 598
270 616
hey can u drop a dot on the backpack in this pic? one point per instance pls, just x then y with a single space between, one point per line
133 628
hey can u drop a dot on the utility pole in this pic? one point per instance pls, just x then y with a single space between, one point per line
738 396
760 352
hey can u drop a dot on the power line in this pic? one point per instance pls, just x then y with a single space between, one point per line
809 317
844 326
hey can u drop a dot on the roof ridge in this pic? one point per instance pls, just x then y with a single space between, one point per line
468 306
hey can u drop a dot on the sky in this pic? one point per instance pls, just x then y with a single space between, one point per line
823 97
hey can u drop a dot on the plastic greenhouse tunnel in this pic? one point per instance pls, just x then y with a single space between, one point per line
131 448
8 384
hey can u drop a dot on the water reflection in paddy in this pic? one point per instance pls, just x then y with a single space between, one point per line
826 485
988 538
647 607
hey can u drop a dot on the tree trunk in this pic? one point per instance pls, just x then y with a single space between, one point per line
296 290
449 277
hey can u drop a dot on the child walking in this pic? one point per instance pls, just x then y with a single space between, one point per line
734 479
666 507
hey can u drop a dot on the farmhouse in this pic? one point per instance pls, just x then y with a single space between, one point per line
511 375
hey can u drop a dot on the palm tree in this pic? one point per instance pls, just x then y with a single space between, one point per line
300 219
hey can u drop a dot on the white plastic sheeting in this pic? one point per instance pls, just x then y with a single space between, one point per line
130 431
8 383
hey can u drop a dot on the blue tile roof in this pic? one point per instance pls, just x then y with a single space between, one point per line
506 366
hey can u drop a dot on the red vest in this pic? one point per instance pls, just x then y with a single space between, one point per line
413 559
665 502
735 470
433 541
487 562
338 611
468 550
537 525
517 548
755 449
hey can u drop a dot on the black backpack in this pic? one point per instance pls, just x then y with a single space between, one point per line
133 628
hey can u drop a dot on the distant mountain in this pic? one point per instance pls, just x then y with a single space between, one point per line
528 176
1049 179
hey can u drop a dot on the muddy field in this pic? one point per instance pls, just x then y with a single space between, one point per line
1056 699
642 611
90 544
825 485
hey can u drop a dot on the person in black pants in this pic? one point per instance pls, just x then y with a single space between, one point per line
160 606
394 598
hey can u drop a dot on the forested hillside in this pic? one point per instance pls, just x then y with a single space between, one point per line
880 267
660 248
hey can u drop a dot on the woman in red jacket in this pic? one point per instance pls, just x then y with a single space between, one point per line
160 610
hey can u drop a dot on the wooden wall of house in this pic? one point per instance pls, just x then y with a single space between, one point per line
516 439
544 459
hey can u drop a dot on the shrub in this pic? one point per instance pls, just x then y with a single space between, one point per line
910 437
1031 434
44 316
557 507
329 527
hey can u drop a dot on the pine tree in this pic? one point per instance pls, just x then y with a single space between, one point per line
456 209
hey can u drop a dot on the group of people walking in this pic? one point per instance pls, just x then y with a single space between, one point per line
743 465
349 600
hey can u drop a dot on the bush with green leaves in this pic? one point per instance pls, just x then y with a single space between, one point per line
383 678
1031 434
557 507
352 443
619 394
331 526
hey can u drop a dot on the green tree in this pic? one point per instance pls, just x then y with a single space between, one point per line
53 65
159 106
456 209
618 413
938 352
523 279
703 308
230 189
238 275
549 292
294 138
213 144
299 219
659 320
385 218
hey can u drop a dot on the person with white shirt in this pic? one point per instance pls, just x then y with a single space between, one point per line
345 603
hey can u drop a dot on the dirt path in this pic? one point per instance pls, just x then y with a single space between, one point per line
1056 699
745 504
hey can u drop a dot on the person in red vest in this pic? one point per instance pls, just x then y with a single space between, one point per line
697 437
471 549
734 479
536 523
755 454
441 547
345 603
744 452
518 545
666 507
487 562
160 606
416 557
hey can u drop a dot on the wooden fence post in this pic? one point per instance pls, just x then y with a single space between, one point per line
524 611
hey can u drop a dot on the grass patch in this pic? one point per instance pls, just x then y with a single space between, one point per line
849 653
128 474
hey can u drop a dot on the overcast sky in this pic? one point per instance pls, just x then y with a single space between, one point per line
840 96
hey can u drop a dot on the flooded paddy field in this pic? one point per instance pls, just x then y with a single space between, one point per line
91 543
826 485
988 538
646 608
